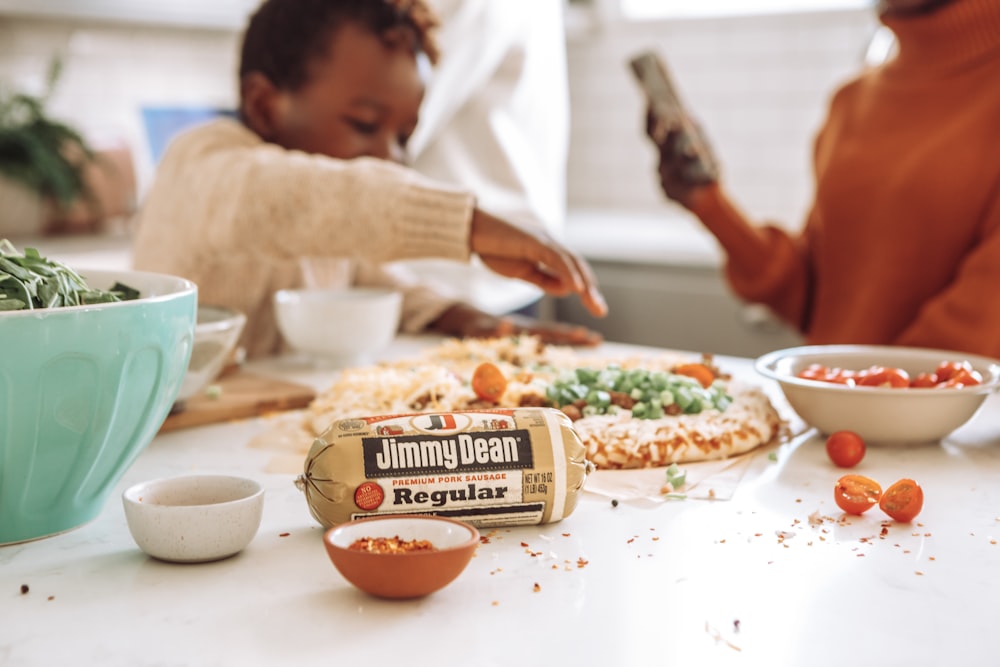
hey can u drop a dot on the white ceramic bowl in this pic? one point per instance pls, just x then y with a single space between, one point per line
215 335
880 415
194 518
342 325
407 574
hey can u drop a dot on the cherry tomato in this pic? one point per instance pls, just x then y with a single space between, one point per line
845 448
924 380
882 376
700 372
963 377
855 494
489 382
903 500
947 369
814 372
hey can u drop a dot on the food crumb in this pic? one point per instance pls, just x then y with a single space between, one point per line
283 534
582 562
24 589
51 598
614 502
496 603
537 587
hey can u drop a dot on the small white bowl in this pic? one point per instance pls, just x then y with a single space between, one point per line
341 325
880 415
194 518
215 336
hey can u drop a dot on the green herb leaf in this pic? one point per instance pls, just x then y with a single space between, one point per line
31 281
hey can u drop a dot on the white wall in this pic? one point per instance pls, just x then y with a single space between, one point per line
757 84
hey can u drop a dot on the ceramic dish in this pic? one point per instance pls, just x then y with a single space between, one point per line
194 518
341 326
408 574
880 415
83 390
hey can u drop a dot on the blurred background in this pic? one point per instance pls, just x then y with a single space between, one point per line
756 73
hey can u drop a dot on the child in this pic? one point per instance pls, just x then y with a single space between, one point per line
330 91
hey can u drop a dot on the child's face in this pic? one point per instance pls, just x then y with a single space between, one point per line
361 99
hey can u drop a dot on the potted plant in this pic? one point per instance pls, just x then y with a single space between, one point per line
42 161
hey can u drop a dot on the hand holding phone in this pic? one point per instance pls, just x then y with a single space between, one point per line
669 116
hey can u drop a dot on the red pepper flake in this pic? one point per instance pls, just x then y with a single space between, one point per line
582 562
283 534
566 534
524 544
630 540
537 587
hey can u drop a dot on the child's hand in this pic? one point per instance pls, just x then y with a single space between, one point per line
465 321
533 256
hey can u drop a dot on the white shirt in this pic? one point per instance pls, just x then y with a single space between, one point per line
495 120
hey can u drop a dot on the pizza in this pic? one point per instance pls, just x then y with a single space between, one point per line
631 411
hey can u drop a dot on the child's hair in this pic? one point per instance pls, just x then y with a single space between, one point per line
284 36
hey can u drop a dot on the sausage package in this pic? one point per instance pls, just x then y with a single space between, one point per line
491 467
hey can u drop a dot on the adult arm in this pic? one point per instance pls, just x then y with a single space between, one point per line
966 315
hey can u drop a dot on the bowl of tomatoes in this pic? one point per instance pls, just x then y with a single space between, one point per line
885 394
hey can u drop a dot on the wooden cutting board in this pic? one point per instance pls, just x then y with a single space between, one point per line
242 395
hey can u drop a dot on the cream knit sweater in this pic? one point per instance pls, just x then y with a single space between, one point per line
234 214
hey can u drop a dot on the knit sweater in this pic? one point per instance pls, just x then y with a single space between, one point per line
902 244
235 214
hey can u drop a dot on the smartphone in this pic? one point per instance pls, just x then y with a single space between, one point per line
669 113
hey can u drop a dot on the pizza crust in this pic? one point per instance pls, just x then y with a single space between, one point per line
438 380
618 441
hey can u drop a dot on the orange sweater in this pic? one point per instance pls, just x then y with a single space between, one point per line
902 245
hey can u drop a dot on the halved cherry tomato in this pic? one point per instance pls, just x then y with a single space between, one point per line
700 372
845 448
856 494
924 380
903 500
882 376
946 369
963 377
488 382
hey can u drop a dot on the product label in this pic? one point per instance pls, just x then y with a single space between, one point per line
488 467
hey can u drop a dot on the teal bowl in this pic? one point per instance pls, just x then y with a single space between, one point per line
83 390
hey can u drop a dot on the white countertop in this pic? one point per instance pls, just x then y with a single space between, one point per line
746 581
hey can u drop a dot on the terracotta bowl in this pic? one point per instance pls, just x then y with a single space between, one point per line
408 574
